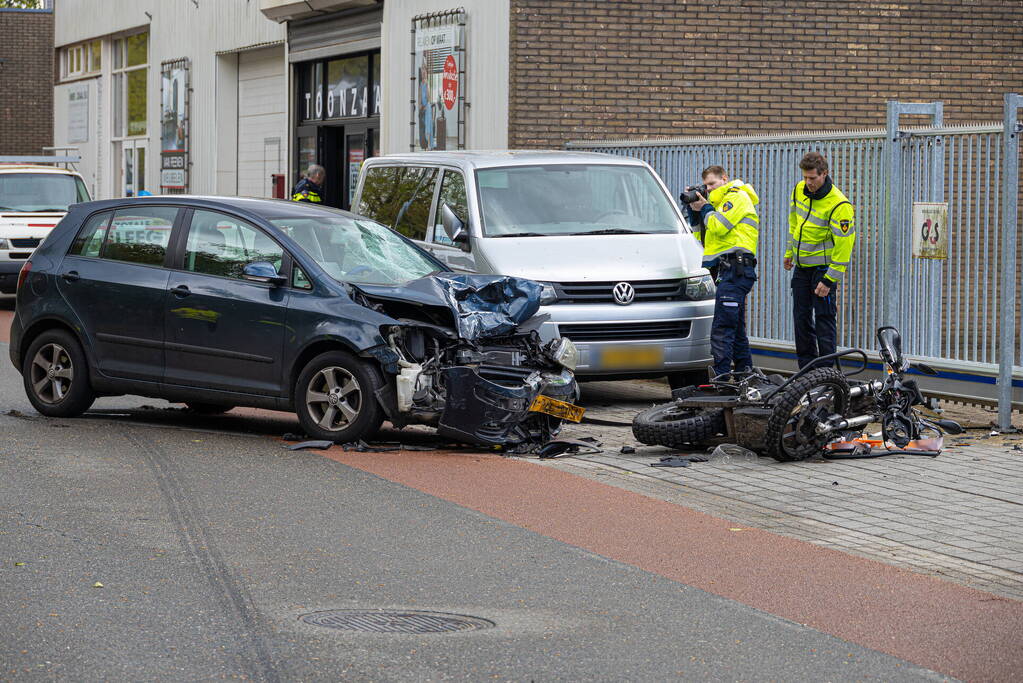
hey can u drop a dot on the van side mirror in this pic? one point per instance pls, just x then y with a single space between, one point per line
262 271
453 225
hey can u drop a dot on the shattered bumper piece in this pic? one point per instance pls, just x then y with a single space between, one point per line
484 412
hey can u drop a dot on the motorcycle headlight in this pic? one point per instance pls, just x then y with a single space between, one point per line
700 288
4 244
565 353
548 295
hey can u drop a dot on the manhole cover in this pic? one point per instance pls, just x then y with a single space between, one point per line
382 621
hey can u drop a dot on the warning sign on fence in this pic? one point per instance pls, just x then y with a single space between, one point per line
930 230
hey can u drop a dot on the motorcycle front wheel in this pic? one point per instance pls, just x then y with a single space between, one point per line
791 433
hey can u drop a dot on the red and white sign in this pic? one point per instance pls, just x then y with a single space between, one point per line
450 83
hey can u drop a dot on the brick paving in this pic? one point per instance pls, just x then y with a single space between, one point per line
958 516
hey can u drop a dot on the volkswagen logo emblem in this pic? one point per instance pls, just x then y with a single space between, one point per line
624 293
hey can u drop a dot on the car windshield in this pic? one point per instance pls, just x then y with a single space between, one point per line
573 199
357 250
40 191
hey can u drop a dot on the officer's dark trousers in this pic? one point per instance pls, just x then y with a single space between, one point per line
815 316
728 340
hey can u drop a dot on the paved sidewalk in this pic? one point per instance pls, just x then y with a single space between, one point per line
958 516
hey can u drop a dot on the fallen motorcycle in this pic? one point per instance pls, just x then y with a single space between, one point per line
816 410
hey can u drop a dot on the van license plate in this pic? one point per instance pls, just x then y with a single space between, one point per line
631 357
552 406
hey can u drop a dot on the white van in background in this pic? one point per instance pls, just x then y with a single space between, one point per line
33 199
621 269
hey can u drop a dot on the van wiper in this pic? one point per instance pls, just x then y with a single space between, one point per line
521 234
613 231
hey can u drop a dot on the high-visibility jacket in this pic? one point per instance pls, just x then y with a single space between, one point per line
732 225
306 191
821 231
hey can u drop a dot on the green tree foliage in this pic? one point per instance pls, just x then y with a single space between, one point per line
22 4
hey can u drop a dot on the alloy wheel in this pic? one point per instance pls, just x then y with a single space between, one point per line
52 373
333 398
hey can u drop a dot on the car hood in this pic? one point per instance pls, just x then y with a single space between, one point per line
480 305
598 258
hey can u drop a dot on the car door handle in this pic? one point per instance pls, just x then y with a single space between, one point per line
180 291
71 276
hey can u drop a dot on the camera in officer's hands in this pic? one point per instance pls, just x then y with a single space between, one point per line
690 194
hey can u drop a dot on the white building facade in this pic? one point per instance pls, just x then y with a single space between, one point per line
238 97
163 97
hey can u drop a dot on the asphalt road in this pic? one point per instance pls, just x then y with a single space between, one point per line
211 541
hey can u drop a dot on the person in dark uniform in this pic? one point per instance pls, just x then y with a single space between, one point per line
821 236
310 188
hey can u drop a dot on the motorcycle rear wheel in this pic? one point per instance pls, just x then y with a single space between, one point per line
676 426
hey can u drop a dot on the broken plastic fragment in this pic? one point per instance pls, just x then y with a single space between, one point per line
310 444
733 454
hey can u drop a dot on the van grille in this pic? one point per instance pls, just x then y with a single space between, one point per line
601 292
25 242
671 329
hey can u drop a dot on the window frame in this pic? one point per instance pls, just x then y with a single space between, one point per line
119 74
80 61
168 250
179 244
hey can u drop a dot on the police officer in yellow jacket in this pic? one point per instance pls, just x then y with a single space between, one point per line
730 226
821 236
310 188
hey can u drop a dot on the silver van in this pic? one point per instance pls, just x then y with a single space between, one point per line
621 269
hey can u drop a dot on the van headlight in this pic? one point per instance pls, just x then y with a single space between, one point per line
700 288
548 295
564 352
4 244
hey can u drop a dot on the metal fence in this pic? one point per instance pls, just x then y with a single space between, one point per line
949 311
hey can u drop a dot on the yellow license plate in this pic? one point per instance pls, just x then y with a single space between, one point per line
552 406
631 357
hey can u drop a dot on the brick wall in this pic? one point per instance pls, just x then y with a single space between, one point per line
590 69
26 81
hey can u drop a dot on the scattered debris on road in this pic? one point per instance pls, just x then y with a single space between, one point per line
323 445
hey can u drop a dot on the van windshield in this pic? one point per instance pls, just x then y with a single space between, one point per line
573 199
40 191
353 250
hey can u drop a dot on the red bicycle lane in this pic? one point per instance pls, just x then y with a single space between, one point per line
946 627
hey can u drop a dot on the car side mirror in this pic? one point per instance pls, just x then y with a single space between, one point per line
453 226
262 271
926 369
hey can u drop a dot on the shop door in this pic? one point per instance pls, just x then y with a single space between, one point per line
355 154
132 162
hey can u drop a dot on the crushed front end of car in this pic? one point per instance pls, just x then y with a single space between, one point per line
469 360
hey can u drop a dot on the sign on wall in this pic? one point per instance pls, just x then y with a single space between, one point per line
78 112
174 126
438 81
930 230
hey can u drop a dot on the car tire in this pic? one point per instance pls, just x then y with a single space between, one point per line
354 413
675 426
56 375
207 408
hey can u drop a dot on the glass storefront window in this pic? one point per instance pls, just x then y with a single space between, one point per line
376 85
137 101
347 80
306 152
137 48
310 91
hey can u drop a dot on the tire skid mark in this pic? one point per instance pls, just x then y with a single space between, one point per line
196 539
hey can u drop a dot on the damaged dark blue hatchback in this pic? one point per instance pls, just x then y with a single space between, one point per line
219 302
